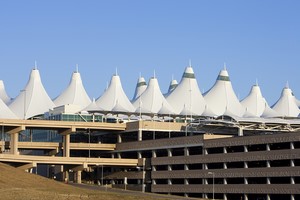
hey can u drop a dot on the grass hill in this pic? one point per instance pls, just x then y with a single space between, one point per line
17 184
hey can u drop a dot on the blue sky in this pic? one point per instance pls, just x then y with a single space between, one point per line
256 39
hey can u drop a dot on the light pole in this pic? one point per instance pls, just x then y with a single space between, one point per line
24 103
89 143
213 175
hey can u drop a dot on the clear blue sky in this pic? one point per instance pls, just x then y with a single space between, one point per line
257 40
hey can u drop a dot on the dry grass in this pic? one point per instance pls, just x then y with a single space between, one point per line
17 184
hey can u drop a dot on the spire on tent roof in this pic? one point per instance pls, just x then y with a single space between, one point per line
116 71
225 66
154 75
190 63
35 65
256 83
76 68
287 84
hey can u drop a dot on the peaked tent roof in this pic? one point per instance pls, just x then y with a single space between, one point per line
187 96
152 100
286 105
74 93
254 102
5 112
221 97
33 99
3 95
115 95
140 88
92 107
172 86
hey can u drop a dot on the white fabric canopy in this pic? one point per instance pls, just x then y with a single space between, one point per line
221 98
74 94
186 95
286 105
152 100
115 95
254 102
140 88
33 100
3 95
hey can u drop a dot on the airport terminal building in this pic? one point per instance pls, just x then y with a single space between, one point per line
183 142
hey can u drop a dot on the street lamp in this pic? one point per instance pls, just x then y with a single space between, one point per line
213 175
24 103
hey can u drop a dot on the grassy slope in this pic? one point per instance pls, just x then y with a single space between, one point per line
17 184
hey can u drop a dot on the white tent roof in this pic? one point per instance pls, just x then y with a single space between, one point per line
92 107
187 96
114 95
172 86
152 100
269 112
140 88
221 97
74 93
254 102
34 97
3 95
286 105
5 112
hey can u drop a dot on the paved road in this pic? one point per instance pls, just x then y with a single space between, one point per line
130 192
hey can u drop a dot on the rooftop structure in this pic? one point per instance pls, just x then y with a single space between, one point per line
140 88
221 98
152 100
286 105
33 100
186 98
114 97
3 95
74 94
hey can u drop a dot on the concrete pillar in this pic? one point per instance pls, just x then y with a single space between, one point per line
240 133
292 180
292 197
245 149
268 147
268 181
268 163
225 196
154 154
245 181
119 155
186 151
186 167
14 140
245 197
225 165
225 181
186 195
66 145
140 135
268 197
292 145
186 181
139 154
78 177
169 153
246 164
224 150
292 163
119 138
153 181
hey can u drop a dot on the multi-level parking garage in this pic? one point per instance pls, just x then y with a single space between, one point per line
183 142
